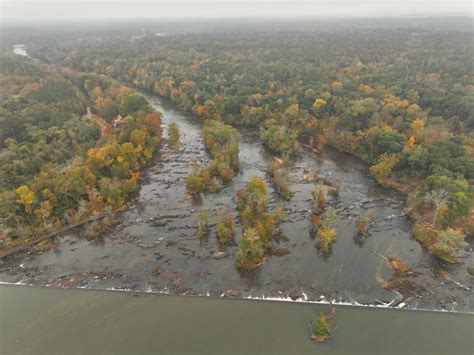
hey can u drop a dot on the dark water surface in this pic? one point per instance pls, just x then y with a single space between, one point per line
158 231
57 321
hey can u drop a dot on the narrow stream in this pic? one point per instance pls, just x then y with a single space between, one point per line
159 226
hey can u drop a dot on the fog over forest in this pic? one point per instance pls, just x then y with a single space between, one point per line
42 11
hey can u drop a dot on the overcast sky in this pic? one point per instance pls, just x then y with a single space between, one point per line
38 10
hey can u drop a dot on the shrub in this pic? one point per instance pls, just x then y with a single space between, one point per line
319 200
225 228
279 176
194 184
423 234
330 216
400 266
321 327
316 220
334 190
326 237
362 223
203 223
173 135
197 181
448 245
214 185
251 250
94 229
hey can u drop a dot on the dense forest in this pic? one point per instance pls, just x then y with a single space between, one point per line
72 146
401 100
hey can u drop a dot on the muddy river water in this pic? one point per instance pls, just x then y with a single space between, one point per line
54 321
155 247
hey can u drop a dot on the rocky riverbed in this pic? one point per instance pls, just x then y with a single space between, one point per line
155 248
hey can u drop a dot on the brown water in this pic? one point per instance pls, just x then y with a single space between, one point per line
54 321
158 230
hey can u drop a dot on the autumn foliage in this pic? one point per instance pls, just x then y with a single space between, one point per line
99 176
405 109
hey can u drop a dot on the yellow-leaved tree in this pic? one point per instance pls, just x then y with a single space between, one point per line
26 197
384 167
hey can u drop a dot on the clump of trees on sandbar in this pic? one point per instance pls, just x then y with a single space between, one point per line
278 171
258 226
322 326
225 228
173 135
221 141
322 219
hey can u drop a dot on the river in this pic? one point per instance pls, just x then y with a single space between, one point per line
19 49
155 248
54 321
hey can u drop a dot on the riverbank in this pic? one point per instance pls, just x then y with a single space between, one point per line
86 171
80 322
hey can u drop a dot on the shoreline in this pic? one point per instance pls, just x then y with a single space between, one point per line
269 299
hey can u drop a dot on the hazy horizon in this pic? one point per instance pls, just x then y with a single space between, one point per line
34 11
